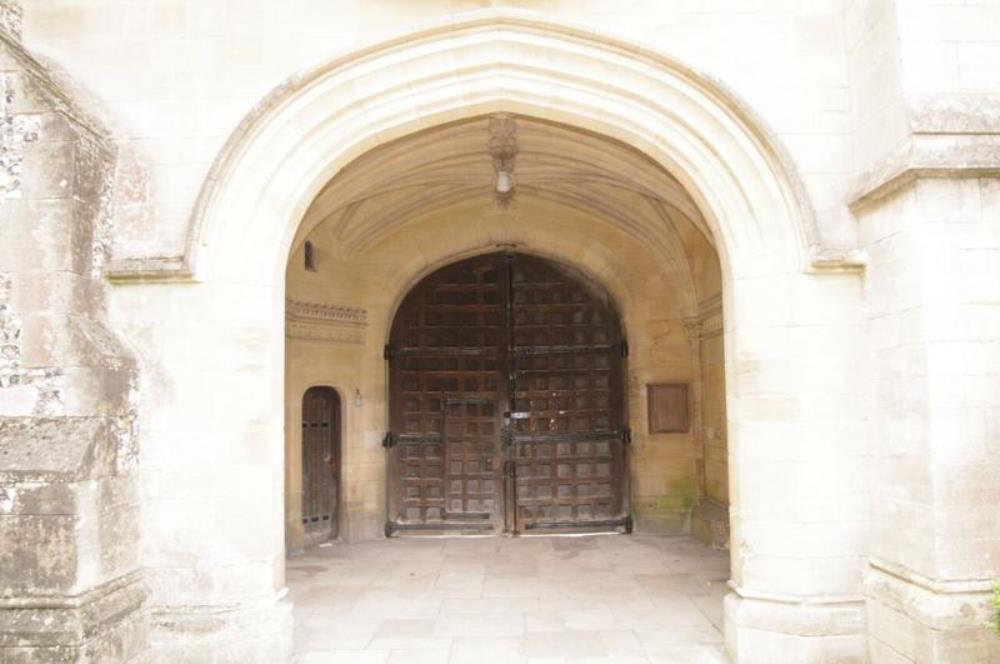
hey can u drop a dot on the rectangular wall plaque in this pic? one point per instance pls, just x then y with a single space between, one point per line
668 407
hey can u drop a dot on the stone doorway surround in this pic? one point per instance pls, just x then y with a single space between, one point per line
786 298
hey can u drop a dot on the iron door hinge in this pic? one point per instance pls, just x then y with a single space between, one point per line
390 440
624 348
388 352
627 435
629 524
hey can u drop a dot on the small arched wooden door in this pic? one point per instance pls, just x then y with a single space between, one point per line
320 463
507 407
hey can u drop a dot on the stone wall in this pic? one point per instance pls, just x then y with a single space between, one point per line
70 580
933 294
926 202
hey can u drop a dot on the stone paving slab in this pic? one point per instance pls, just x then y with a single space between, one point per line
537 600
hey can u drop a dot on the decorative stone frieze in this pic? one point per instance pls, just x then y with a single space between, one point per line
324 322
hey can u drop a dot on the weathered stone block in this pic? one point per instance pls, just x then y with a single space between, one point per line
44 236
765 631
57 448
915 619
103 625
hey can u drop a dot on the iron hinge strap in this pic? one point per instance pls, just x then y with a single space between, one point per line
624 348
627 435
388 352
390 439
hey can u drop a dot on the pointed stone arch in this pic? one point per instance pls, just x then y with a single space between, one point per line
321 119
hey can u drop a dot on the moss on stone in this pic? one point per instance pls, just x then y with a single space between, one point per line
996 607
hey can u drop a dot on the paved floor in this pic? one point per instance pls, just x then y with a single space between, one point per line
554 600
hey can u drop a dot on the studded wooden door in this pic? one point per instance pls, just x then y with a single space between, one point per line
320 462
506 402
448 356
567 422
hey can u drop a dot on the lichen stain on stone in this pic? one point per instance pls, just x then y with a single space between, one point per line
95 178
11 17
10 337
16 131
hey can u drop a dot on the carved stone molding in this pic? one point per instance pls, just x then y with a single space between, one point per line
947 155
324 322
315 311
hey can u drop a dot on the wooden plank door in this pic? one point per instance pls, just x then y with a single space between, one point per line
320 462
568 414
448 356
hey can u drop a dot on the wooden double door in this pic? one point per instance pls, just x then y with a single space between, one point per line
507 402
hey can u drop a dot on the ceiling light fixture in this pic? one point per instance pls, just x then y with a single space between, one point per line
503 149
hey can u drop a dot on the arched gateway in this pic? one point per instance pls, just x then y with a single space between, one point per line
794 588
507 402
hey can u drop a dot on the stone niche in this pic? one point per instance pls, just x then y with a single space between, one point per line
70 580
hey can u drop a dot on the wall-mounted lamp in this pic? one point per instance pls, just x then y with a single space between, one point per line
357 398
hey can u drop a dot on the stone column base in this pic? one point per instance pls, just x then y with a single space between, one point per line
788 631
915 619
105 624
242 634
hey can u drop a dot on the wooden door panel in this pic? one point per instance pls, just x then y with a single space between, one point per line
471 436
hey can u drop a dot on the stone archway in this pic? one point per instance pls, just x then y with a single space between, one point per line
797 520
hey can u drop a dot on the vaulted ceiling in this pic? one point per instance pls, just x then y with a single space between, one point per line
408 179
